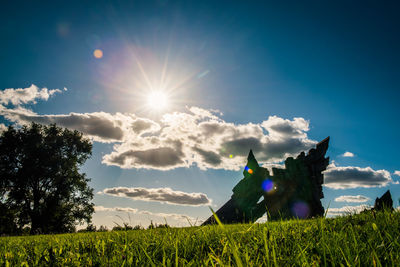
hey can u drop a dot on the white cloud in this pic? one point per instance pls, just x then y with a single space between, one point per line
353 177
352 199
397 173
286 128
178 217
163 195
201 138
25 95
345 210
348 155
2 128
101 208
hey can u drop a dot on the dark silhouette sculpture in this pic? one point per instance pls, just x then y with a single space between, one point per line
291 192
40 183
384 202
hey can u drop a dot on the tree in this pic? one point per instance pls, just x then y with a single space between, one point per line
40 183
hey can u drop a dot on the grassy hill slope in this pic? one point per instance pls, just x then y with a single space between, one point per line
370 239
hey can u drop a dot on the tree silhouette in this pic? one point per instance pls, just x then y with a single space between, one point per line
40 183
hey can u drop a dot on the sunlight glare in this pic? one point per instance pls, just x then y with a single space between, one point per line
157 100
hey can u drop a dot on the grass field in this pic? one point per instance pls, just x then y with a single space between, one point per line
357 240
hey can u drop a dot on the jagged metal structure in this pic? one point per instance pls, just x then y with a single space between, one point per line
295 191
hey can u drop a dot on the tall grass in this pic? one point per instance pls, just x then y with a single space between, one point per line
367 239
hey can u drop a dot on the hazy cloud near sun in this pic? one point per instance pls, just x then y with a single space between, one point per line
101 126
352 199
353 177
163 195
181 139
197 137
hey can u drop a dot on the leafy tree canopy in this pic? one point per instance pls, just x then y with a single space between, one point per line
40 183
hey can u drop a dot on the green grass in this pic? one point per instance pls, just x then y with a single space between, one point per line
358 240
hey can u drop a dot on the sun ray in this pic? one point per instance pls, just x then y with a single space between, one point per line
143 72
136 72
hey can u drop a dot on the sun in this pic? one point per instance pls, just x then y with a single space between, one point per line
157 100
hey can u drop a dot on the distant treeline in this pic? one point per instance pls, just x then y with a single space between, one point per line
124 227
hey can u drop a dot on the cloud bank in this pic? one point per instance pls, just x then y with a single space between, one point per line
101 208
196 137
201 138
163 195
352 199
347 210
353 177
25 95
178 217
100 126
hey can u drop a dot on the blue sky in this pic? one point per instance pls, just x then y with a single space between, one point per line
231 72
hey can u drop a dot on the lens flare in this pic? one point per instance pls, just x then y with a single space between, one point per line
231 156
98 53
267 185
300 209
248 170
